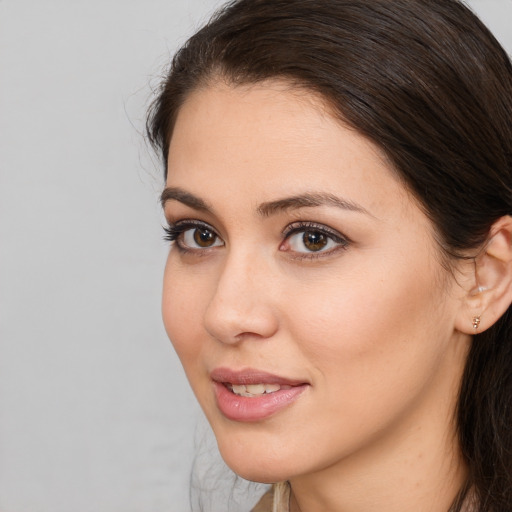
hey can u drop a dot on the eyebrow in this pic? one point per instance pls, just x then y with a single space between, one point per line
308 200
178 194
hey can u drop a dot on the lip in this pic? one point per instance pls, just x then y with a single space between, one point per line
253 409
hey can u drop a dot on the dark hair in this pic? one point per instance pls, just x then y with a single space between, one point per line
427 82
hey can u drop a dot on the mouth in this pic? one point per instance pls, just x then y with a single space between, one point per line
252 395
254 390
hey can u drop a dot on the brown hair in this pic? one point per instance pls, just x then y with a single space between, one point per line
427 82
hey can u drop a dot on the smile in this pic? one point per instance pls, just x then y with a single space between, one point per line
253 390
253 395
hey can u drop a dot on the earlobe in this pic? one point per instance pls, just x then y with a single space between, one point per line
491 293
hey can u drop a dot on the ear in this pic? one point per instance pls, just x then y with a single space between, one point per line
490 291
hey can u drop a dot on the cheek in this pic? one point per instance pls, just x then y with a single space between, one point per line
369 334
182 306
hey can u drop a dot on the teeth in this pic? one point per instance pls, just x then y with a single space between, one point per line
238 389
255 389
251 390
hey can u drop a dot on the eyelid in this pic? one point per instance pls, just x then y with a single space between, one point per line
175 229
178 227
298 226
191 222
341 240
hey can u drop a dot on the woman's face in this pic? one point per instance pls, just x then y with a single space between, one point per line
304 292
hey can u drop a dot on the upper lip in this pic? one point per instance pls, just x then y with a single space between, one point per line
251 376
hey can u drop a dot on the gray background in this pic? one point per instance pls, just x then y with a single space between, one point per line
95 412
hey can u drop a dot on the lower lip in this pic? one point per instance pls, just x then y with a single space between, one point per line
241 408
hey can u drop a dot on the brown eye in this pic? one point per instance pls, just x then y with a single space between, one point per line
314 240
304 238
204 237
195 237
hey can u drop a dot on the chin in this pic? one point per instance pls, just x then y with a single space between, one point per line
256 462
254 472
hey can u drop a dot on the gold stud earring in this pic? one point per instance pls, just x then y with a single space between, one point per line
476 322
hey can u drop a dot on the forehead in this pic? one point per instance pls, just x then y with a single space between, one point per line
257 109
266 126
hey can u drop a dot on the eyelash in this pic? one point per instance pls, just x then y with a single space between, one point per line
304 226
173 232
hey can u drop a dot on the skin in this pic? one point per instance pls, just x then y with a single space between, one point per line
370 323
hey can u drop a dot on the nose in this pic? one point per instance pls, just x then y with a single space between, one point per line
242 305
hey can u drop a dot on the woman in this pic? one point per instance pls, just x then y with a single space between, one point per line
340 274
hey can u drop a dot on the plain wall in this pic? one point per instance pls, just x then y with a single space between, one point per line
95 412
